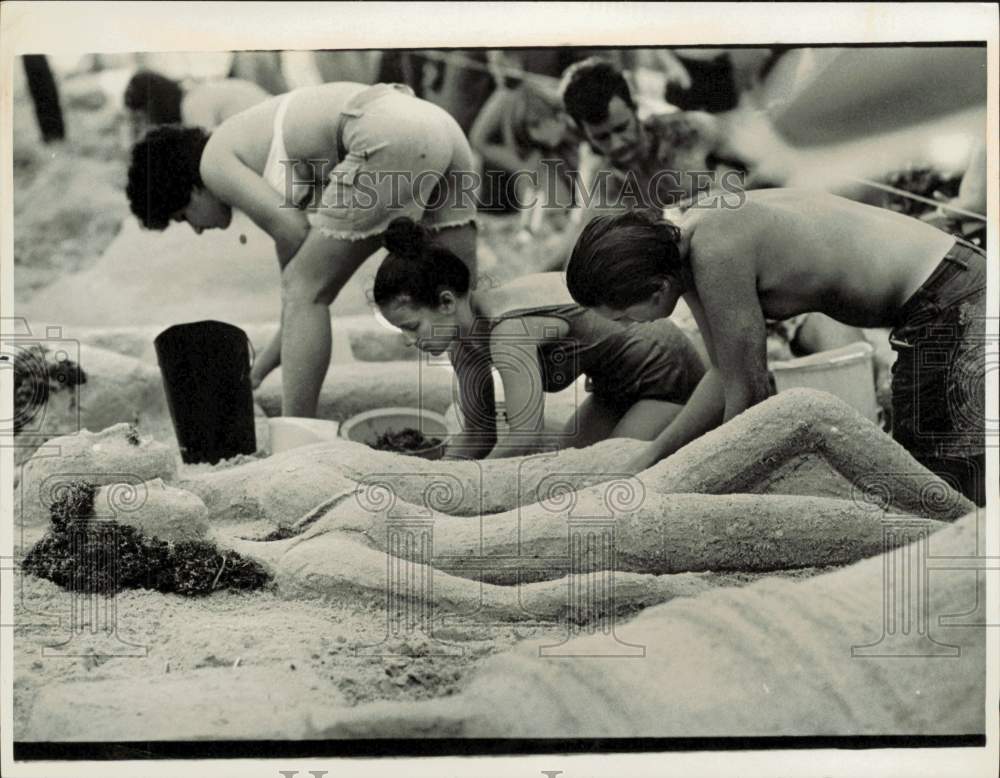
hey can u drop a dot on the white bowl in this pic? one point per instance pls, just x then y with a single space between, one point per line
366 427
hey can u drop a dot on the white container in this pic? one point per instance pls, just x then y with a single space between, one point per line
368 426
846 372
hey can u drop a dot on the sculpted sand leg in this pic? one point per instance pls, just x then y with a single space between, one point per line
773 658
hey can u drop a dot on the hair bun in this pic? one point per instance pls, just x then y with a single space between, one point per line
405 237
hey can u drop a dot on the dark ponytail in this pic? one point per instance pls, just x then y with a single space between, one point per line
620 260
416 267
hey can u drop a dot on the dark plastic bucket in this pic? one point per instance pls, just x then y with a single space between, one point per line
206 375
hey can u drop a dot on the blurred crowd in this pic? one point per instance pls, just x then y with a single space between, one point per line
566 138
508 102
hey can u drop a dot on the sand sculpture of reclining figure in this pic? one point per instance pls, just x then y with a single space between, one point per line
414 517
800 442
358 506
456 563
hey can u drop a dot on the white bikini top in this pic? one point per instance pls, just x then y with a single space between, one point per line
274 171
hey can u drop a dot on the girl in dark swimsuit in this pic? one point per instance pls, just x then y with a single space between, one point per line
539 341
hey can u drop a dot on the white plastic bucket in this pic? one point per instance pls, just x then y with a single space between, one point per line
846 372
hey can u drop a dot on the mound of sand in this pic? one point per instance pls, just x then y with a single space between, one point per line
775 658
362 386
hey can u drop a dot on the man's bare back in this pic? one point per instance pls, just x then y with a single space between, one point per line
786 252
813 251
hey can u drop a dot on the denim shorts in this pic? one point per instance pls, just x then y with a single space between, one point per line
938 380
403 156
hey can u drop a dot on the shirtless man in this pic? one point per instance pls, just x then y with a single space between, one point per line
632 156
787 252
664 159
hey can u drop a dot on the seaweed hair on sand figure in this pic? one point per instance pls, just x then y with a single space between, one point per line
622 259
416 267
163 173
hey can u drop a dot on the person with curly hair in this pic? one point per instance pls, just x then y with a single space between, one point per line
322 170
788 252
152 99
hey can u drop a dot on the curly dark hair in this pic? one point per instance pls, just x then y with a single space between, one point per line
621 259
163 173
589 86
156 96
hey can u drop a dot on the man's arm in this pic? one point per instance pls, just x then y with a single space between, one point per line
732 327
702 412
730 312
494 119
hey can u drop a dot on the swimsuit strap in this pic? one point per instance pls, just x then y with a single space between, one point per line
279 120
273 173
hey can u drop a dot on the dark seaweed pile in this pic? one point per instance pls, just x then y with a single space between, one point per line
87 556
404 440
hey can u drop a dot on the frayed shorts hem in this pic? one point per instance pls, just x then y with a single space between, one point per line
356 235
